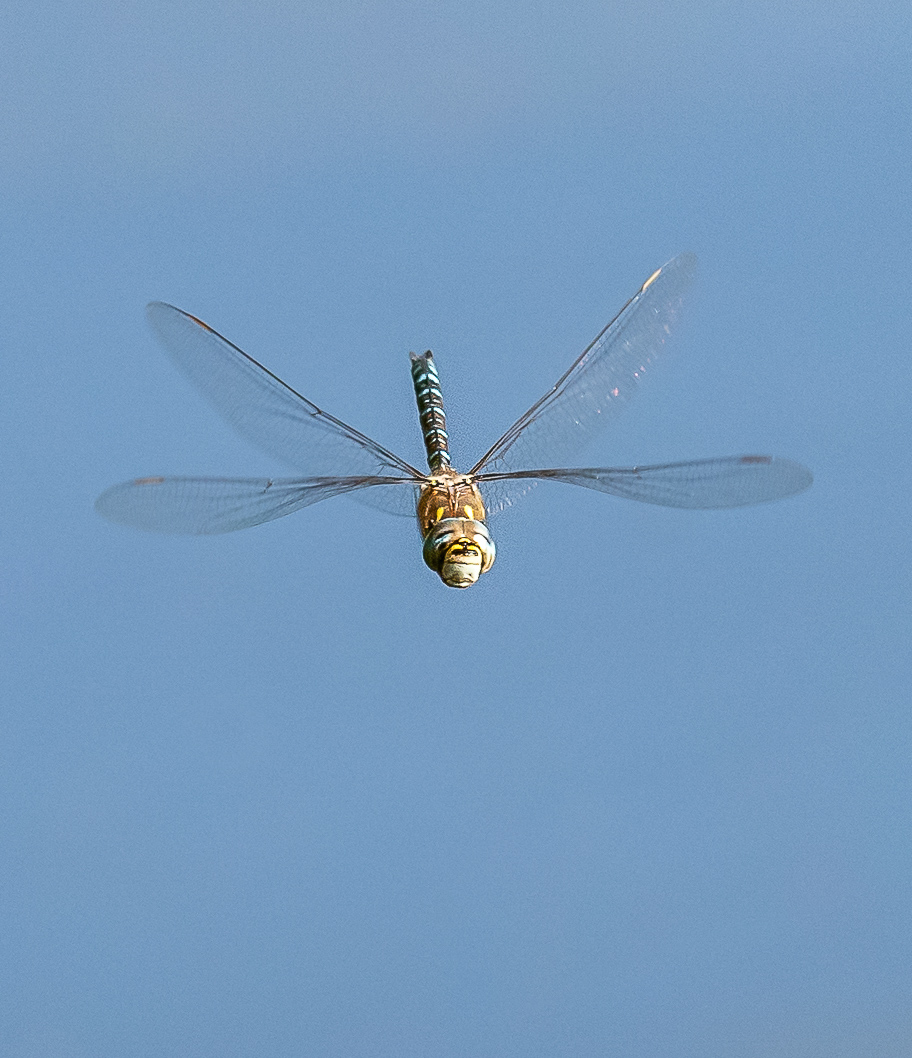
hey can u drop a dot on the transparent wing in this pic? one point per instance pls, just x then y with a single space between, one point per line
585 398
733 481
401 502
220 505
264 409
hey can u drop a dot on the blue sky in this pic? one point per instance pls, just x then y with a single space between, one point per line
645 789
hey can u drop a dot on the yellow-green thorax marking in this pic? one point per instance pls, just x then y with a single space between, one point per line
451 514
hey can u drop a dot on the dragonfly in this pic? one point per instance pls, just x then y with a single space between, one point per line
452 507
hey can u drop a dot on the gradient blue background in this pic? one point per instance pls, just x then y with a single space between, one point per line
645 789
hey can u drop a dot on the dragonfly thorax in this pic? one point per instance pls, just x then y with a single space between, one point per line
449 495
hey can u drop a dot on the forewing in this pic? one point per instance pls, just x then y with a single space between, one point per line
733 481
264 409
585 398
221 505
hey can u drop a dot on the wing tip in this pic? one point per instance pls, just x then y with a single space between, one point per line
685 263
155 310
105 505
796 474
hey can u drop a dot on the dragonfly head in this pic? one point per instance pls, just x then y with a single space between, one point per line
459 550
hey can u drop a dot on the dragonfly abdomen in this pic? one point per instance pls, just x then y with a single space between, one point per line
430 410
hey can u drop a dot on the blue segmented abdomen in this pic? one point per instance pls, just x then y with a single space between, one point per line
430 410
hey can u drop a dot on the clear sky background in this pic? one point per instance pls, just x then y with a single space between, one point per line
645 789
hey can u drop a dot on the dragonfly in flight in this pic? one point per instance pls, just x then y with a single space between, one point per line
452 507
